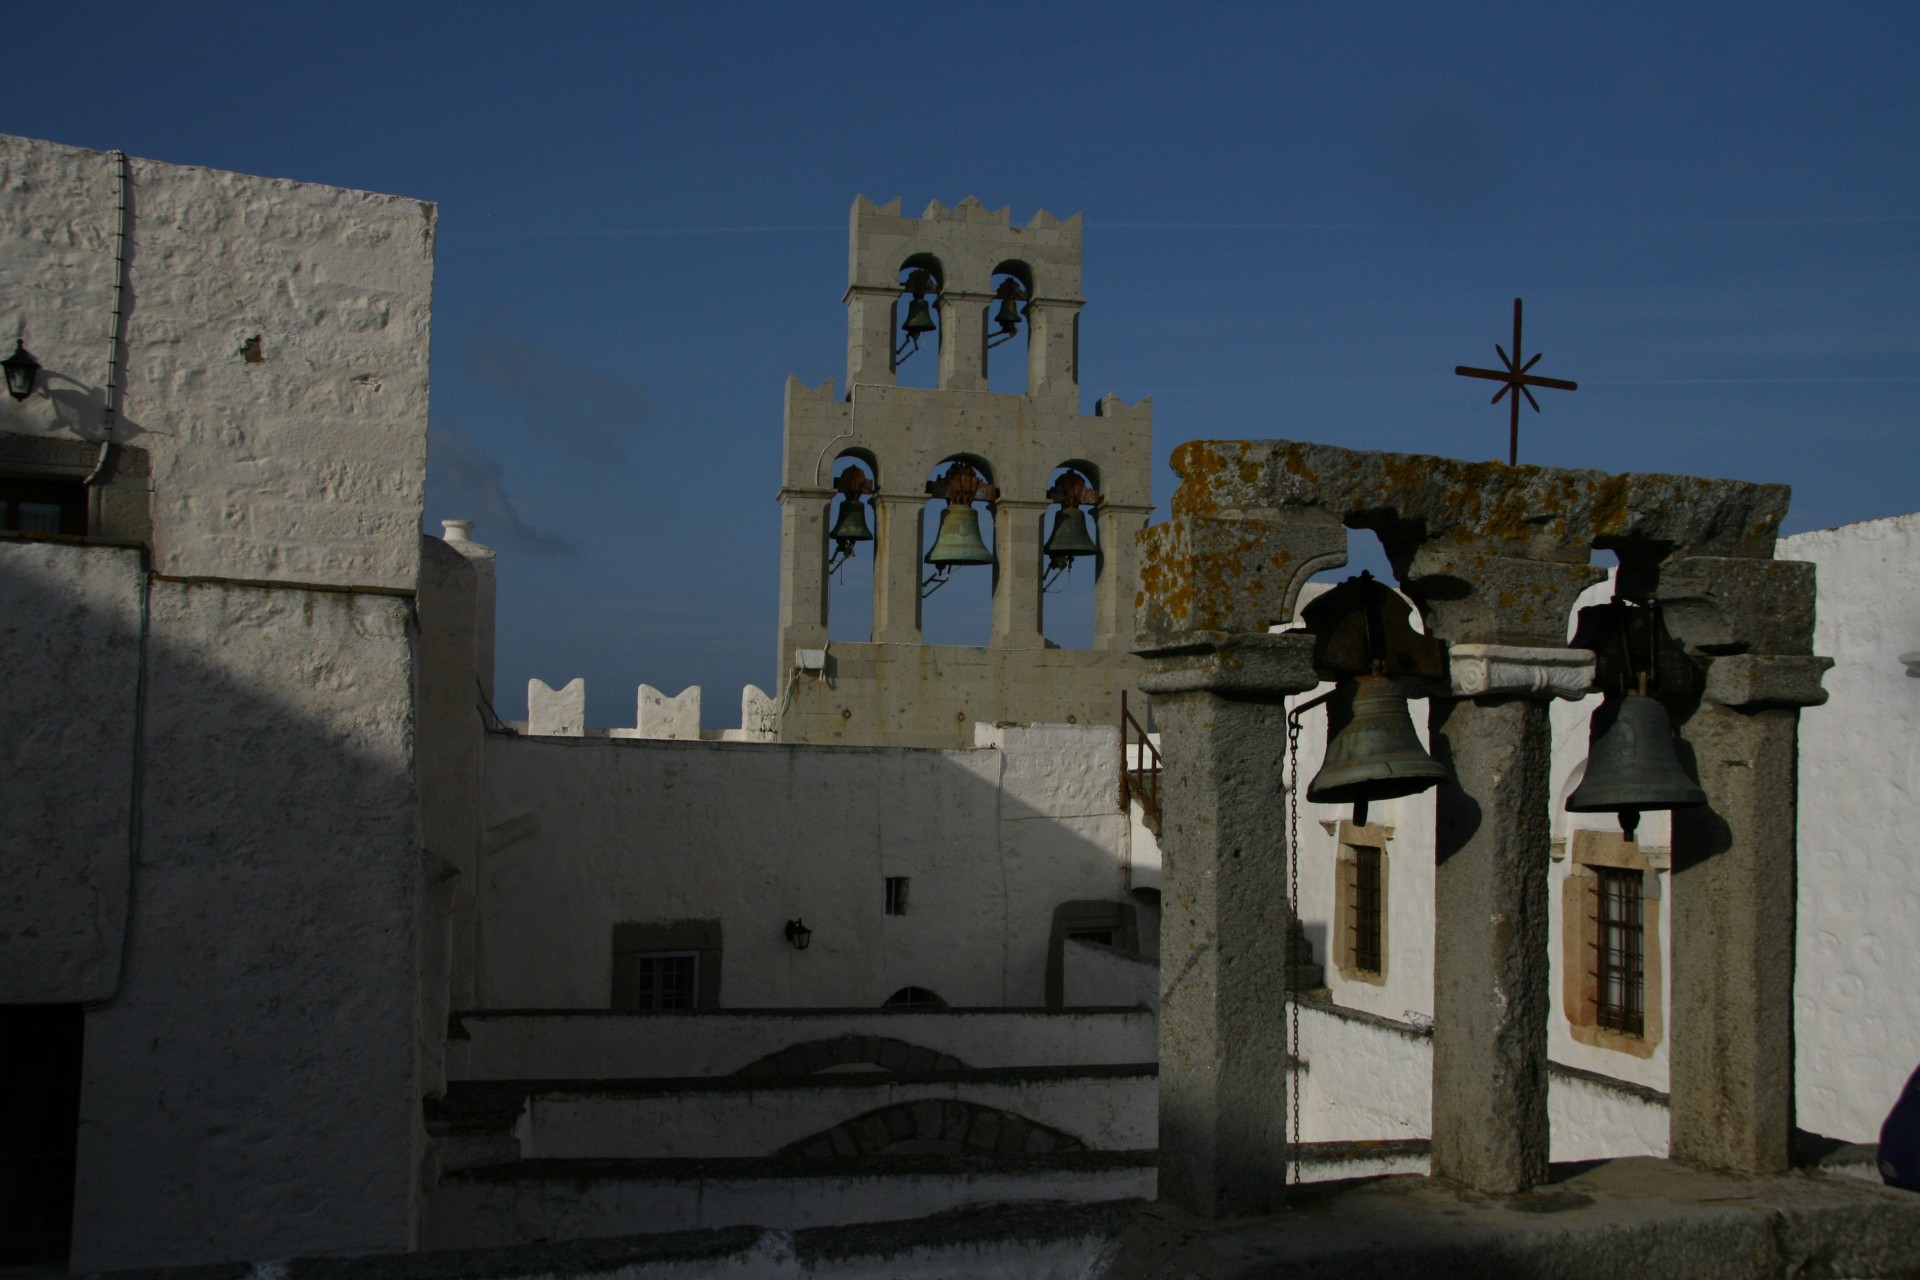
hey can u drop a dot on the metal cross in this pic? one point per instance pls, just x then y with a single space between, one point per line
1517 378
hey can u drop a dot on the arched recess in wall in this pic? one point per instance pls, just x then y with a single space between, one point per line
1007 327
934 1127
1069 526
920 322
914 998
960 610
851 1052
851 560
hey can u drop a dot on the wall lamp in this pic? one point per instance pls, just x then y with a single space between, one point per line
799 935
22 369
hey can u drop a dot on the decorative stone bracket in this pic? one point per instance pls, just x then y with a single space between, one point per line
1755 680
1488 670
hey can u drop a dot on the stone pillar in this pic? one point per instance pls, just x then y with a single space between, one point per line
1017 573
899 526
1735 861
1225 919
872 333
1053 347
1491 990
1117 578
963 341
803 571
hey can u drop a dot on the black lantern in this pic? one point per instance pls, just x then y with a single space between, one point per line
799 935
22 369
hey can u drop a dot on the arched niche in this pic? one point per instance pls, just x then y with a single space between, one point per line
1007 326
960 610
850 580
1067 604
916 351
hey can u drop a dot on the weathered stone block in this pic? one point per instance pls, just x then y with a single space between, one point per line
1752 680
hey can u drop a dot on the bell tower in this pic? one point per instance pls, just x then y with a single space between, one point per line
950 287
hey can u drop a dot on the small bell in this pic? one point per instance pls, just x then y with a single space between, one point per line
1632 765
1070 536
958 541
919 319
1373 752
1007 315
852 525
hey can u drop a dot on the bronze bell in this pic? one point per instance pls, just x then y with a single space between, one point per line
1632 765
958 541
1007 316
852 525
919 319
1070 536
1372 750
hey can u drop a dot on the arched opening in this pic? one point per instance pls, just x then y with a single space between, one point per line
913 998
1070 556
958 553
1007 327
919 323
934 1127
849 550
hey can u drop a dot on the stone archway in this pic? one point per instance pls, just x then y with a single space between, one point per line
883 1052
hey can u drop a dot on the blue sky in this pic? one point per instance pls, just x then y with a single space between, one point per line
1299 219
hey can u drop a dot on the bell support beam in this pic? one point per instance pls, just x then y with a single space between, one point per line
1117 525
872 334
1226 919
963 340
1053 354
803 569
1017 618
1734 890
899 529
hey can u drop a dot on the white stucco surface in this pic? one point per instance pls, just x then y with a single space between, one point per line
596 832
250 1090
1092 974
554 1046
276 368
70 621
1857 989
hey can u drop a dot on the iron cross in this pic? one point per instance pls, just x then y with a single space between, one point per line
1517 378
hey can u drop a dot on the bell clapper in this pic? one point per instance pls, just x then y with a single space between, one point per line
1629 823
1360 812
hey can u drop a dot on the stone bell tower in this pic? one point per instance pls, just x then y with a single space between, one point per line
975 270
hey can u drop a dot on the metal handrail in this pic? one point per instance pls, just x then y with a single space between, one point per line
1138 779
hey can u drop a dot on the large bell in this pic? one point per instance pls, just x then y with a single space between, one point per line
1631 762
958 541
919 319
1070 536
852 524
1372 750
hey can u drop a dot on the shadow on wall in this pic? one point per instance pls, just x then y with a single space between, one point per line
210 838
979 845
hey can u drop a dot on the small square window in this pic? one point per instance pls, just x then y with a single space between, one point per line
896 895
667 980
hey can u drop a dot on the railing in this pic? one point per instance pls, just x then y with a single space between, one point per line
1139 768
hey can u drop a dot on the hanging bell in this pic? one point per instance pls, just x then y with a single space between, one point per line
1070 536
1372 750
1632 765
852 525
958 541
919 319
1007 316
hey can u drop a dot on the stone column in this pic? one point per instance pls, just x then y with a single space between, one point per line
1491 990
872 332
1053 341
1017 573
899 525
1118 575
963 341
1225 919
1735 862
803 570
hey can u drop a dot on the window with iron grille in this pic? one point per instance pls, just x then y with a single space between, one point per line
1366 908
1620 957
896 895
43 506
667 980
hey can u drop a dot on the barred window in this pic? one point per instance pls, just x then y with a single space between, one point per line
667 980
1620 956
896 895
1365 905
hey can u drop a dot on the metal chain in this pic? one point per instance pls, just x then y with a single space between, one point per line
1292 1170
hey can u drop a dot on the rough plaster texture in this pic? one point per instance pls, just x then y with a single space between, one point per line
587 833
1224 923
276 355
70 623
1856 998
251 1090
893 690
557 1045
1093 974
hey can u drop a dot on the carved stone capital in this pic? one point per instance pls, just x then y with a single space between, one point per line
1503 670
1260 668
1767 680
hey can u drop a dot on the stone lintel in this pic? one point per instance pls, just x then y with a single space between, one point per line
1471 593
802 491
1494 670
1233 572
1724 604
1756 680
1261 668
